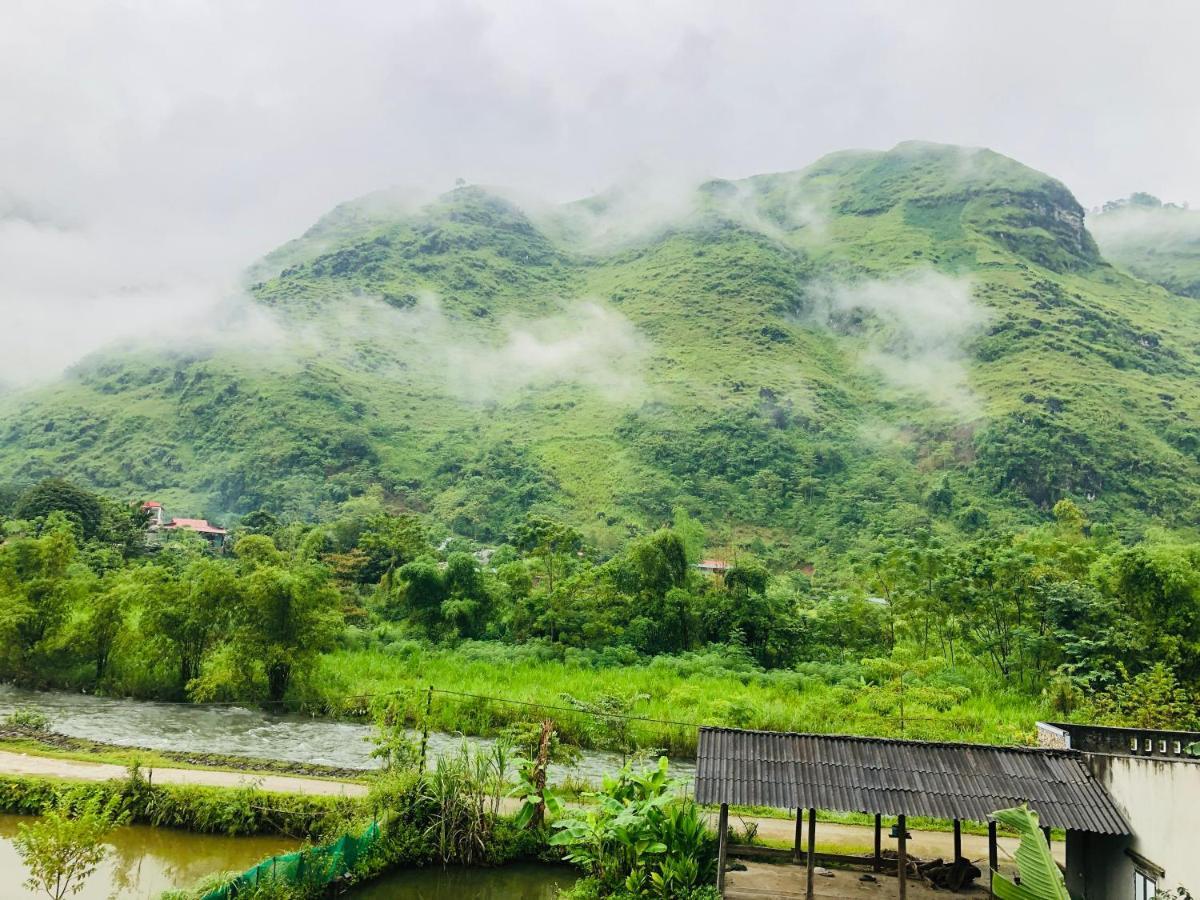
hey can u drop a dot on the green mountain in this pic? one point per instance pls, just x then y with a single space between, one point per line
1157 241
880 343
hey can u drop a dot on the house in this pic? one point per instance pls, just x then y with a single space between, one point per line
1154 777
158 522
717 567
156 515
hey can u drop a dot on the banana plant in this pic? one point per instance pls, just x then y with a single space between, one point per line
1040 875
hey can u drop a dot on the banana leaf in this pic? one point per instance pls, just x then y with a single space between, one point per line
1040 875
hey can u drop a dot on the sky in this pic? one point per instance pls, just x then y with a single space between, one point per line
150 150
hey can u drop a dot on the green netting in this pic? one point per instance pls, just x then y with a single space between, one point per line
316 865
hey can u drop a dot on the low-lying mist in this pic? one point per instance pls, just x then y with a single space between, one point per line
916 327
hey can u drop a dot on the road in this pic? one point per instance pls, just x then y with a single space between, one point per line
923 844
80 770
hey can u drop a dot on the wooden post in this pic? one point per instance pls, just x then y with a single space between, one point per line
722 840
1046 832
796 851
993 859
902 856
878 864
425 726
812 850
957 840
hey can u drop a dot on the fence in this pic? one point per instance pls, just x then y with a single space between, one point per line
315 865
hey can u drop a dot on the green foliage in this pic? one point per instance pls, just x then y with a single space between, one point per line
1040 875
641 838
52 495
62 849
747 407
27 720
190 807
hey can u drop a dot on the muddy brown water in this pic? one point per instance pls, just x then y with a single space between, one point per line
143 862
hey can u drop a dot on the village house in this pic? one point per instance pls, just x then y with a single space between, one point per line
158 523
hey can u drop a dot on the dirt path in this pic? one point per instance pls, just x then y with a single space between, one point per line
50 767
925 844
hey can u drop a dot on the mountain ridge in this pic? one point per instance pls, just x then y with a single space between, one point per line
778 359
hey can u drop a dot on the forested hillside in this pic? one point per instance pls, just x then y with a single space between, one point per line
921 340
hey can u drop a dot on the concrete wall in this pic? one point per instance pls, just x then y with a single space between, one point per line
1161 800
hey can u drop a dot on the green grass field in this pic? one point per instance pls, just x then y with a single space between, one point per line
692 690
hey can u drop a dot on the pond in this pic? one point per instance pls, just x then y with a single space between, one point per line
524 881
143 862
237 731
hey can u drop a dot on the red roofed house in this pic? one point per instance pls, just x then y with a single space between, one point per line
214 534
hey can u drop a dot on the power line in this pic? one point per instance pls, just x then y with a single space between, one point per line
250 703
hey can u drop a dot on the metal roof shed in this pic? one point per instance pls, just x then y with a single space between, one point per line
898 778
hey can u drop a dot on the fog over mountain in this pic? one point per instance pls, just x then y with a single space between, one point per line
152 151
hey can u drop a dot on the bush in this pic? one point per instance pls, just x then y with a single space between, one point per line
643 839
27 720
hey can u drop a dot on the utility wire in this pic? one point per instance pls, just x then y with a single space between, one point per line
250 703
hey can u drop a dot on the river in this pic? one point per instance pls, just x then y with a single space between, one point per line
143 862
238 731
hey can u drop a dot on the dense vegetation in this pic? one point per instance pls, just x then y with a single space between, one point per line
810 363
919 637
951 453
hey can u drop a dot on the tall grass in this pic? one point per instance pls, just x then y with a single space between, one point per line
683 691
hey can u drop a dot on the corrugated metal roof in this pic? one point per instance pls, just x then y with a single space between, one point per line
893 777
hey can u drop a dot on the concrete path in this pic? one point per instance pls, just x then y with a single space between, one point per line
80 770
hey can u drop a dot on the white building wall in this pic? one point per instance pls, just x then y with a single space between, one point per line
1161 800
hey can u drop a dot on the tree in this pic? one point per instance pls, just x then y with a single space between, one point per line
389 543
1160 584
41 580
420 592
1041 878
61 851
550 542
260 521
1150 699
189 614
288 616
82 507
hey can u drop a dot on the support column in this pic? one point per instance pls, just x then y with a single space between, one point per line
878 864
902 855
722 840
957 841
812 851
1046 832
993 857
797 854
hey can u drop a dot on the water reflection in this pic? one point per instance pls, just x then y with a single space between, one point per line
143 862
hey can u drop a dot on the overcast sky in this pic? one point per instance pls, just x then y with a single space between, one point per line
149 150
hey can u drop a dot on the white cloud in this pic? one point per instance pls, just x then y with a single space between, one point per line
923 320
177 141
